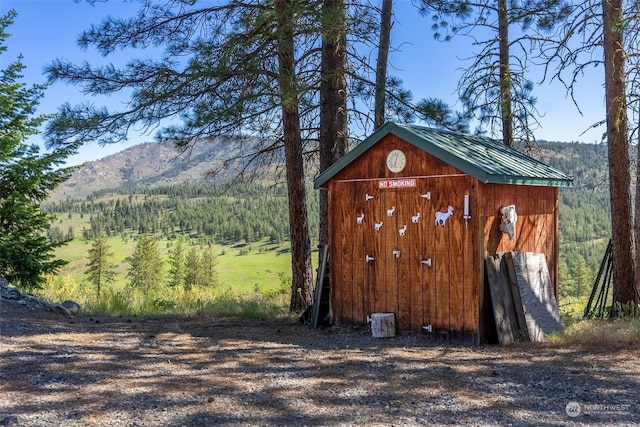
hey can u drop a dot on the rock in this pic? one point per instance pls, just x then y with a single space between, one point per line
58 309
72 307
35 302
8 293
66 308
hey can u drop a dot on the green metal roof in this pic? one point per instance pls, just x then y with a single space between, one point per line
485 159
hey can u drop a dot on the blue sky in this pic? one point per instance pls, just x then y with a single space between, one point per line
47 29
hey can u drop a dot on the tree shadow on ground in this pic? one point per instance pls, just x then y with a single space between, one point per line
204 371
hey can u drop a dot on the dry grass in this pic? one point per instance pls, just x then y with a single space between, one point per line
602 333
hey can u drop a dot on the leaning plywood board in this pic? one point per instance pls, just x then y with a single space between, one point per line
501 300
536 293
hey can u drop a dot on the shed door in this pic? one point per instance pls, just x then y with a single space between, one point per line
394 258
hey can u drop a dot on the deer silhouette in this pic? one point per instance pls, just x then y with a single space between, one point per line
441 217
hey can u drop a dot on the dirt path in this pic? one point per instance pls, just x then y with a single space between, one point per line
200 372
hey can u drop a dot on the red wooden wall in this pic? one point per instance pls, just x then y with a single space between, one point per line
449 294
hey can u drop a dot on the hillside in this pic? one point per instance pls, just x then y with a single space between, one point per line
586 163
153 164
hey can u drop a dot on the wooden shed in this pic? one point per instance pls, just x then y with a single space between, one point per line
413 214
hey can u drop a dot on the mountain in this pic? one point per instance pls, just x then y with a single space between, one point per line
153 164
157 164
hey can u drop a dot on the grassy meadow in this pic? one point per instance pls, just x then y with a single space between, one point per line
253 279
244 268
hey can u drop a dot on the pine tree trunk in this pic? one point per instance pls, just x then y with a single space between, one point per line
383 59
302 273
505 74
636 224
618 153
333 100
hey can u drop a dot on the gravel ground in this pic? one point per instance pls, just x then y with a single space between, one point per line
56 371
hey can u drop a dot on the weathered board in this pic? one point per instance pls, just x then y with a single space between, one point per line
536 293
503 311
383 325
522 332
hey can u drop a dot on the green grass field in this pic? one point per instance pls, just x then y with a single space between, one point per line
248 274
253 281
242 269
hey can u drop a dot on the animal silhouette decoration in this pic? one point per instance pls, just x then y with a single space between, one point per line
414 219
360 218
402 230
391 211
441 217
377 226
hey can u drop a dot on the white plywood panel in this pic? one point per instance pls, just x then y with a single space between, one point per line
536 293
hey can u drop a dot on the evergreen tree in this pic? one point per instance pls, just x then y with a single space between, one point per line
333 133
252 46
26 178
582 276
177 272
99 269
625 288
147 265
493 87
568 288
193 269
209 275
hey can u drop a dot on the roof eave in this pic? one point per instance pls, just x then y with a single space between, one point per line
525 180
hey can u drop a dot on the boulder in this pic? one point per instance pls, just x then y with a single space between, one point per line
66 308
72 307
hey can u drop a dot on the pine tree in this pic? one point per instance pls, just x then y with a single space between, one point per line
177 272
99 269
625 289
193 269
493 87
147 265
26 178
209 261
